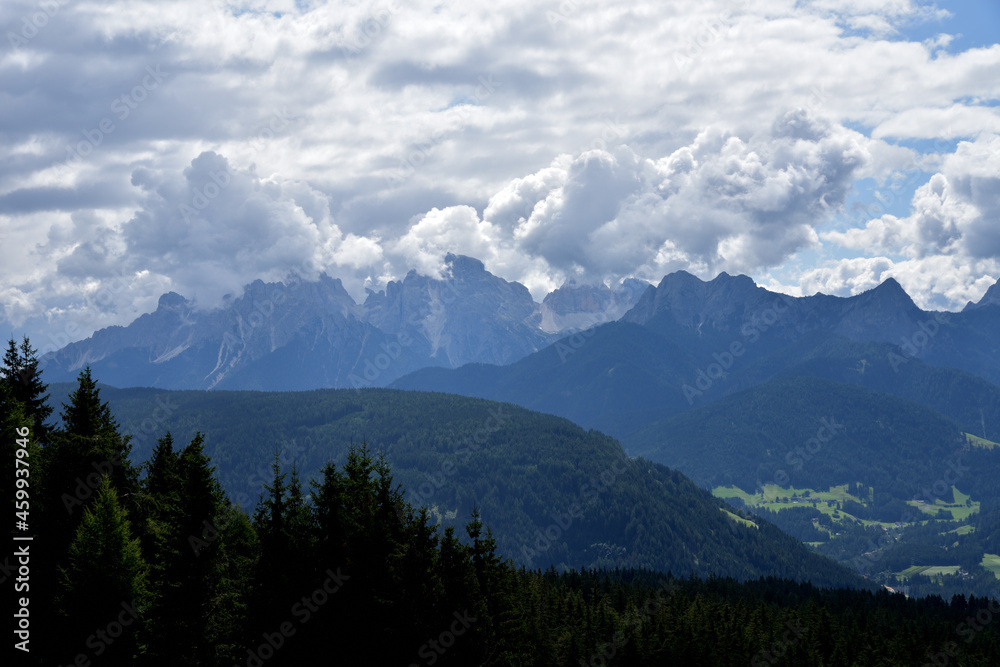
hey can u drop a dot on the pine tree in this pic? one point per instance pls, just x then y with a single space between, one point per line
190 521
161 491
104 583
271 576
87 448
22 377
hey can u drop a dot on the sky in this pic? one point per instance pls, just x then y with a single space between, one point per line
195 146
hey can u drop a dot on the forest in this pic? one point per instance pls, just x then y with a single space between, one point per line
151 563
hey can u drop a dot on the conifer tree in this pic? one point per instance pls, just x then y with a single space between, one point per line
161 491
22 377
104 582
190 518
87 448
270 590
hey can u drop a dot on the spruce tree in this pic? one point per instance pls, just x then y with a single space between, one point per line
104 583
22 377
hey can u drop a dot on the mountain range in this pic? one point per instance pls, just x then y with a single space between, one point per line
688 343
722 380
307 335
635 348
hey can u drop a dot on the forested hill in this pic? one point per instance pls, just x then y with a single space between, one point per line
138 562
553 493
810 431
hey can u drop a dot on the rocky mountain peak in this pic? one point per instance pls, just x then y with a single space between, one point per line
691 302
171 301
992 297
461 264
576 306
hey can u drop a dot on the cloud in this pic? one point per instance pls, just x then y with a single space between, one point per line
946 252
955 212
455 229
211 229
720 203
361 139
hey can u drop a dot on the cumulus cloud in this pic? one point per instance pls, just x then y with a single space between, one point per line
947 250
455 229
720 203
366 139
954 212
211 229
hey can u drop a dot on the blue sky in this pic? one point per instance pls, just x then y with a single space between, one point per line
815 145
973 23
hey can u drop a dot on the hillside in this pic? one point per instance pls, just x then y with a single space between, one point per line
880 483
553 493
813 432
621 377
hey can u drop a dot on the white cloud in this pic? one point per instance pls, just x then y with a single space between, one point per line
955 212
455 229
613 140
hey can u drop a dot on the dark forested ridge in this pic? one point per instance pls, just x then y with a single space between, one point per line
553 493
748 439
882 484
156 566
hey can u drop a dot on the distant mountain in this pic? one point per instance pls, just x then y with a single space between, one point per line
991 298
308 335
274 336
578 307
853 435
471 316
689 342
552 492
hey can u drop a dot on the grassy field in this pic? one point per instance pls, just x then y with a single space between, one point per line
739 519
770 494
992 563
976 441
776 498
959 510
929 570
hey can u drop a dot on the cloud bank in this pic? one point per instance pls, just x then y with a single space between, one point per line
191 147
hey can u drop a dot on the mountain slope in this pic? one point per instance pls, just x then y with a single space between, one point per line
552 492
278 336
612 378
688 343
309 335
881 483
808 432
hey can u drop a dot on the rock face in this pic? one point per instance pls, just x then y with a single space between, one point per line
274 336
469 316
575 307
734 306
307 335
992 297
